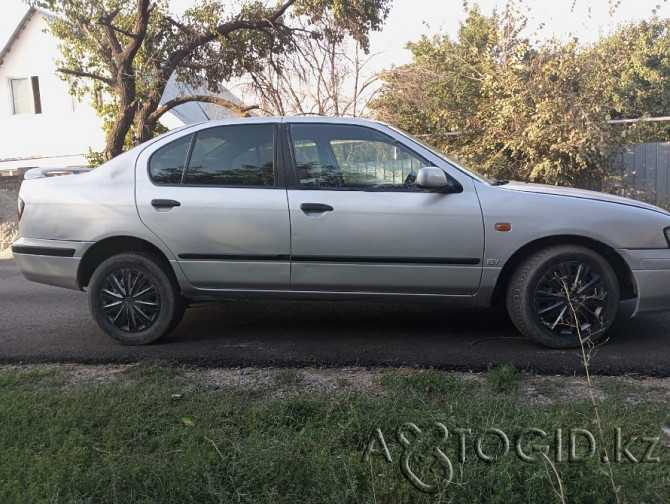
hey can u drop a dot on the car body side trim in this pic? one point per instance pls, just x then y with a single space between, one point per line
201 294
388 260
333 259
43 251
235 257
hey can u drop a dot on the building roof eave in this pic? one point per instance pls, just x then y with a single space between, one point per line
19 28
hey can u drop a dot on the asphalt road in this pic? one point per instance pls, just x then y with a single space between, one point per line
39 323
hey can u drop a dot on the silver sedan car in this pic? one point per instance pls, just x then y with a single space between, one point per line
332 208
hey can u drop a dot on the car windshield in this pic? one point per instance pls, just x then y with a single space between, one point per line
449 159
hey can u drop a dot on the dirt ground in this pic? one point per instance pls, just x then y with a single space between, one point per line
534 389
8 223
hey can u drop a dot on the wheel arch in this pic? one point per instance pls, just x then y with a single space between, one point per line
111 246
623 273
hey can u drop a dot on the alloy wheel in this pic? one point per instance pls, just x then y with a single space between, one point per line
569 299
130 300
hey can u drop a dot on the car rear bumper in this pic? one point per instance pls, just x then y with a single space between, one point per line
52 262
651 274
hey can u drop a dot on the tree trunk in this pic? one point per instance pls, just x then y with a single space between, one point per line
117 135
123 121
145 124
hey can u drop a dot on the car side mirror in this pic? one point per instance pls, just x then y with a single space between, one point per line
434 179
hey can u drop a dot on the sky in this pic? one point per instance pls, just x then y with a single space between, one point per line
586 19
409 19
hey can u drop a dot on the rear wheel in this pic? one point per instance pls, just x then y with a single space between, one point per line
563 295
134 298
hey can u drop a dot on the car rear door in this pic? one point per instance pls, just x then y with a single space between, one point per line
215 199
359 224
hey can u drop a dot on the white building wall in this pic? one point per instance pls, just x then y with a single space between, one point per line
62 134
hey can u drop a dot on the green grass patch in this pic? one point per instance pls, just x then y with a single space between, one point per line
166 434
288 377
503 379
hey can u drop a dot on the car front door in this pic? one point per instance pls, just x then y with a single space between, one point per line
360 224
214 199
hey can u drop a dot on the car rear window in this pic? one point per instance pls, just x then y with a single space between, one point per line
233 155
223 156
166 165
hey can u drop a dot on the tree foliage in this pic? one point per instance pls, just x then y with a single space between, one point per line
130 48
534 111
639 55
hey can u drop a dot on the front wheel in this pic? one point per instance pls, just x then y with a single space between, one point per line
134 298
562 296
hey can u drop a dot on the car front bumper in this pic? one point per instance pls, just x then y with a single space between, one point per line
51 262
651 274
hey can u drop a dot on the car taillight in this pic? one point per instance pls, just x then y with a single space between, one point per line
19 209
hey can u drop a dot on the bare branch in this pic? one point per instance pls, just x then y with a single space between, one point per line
179 25
242 111
102 22
318 77
76 73
105 51
106 22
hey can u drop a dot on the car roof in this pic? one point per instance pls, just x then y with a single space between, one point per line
294 119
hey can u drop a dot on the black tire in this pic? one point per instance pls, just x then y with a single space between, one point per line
134 298
561 294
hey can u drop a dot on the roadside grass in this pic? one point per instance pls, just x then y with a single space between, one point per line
150 434
503 378
288 377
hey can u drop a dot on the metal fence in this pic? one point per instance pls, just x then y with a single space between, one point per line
641 173
11 183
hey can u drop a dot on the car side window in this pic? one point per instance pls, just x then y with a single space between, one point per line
233 155
353 157
166 165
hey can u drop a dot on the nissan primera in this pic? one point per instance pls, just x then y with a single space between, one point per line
326 208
